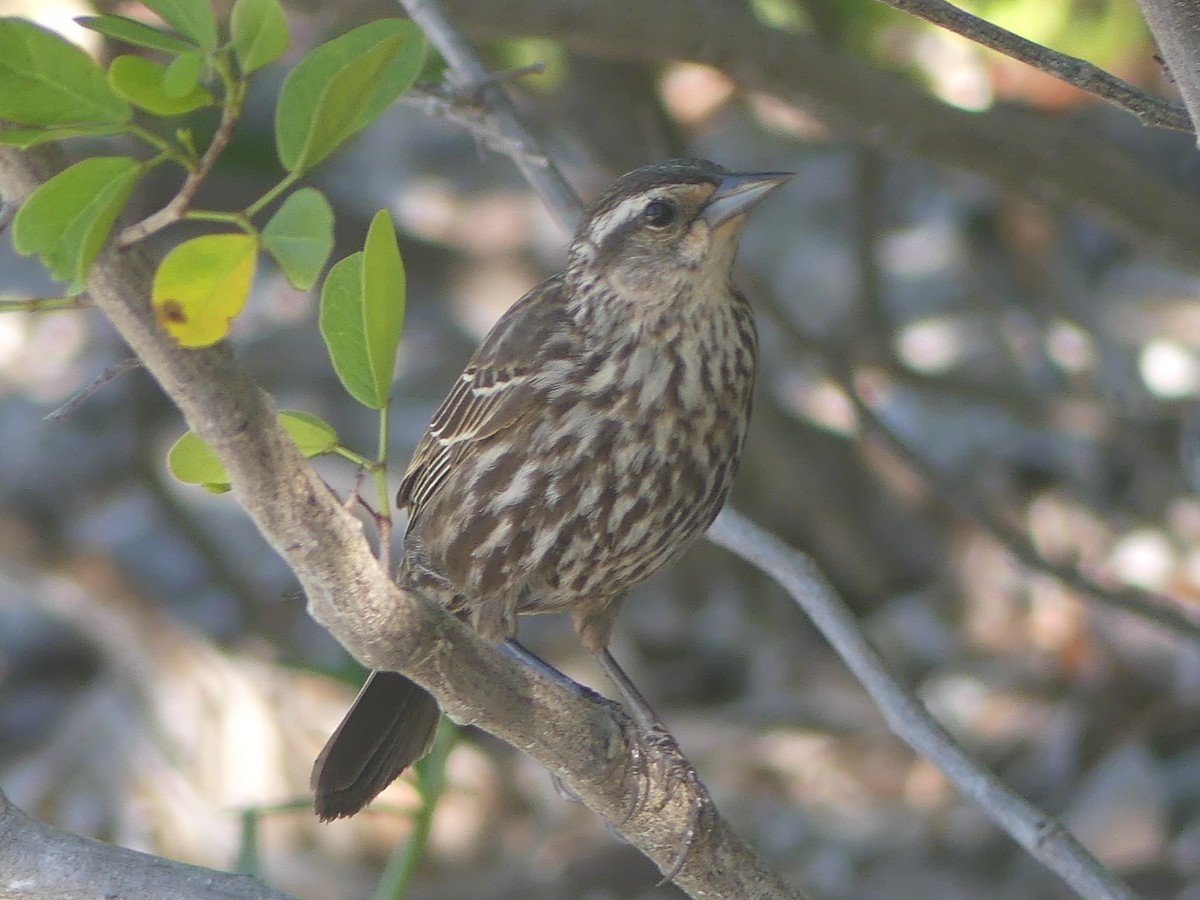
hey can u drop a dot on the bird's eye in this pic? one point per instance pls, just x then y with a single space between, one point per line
658 214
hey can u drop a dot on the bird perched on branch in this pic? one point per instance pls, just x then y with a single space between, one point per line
591 438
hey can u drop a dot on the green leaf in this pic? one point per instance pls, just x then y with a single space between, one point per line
342 328
137 33
67 220
183 74
362 315
383 299
46 80
341 87
192 461
312 434
202 285
140 81
191 18
24 138
260 33
300 236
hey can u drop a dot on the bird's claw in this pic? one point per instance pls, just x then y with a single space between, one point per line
656 747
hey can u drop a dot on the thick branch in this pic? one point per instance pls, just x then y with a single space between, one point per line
584 743
1078 72
40 862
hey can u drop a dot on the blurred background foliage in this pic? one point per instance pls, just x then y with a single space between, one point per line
158 674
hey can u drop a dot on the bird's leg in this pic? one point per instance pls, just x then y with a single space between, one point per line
643 713
671 762
512 648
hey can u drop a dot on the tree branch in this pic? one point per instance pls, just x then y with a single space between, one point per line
1175 25
1046 839
1022 151
590 746
471 73
41 862
179 204
1163 611
1078 72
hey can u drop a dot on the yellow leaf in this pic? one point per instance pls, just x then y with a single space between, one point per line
202 285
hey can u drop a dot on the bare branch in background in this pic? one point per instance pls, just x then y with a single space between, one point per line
1162 611
1078 72
1027 152
1165 612
1046 840
473 75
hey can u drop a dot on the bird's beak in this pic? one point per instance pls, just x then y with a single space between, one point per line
738 194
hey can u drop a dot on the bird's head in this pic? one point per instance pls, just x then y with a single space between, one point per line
667 228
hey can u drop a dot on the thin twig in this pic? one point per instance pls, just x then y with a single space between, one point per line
558 195
1044 838
178 205
1078 72
43 304
125 365
1157 609
470 93
474 119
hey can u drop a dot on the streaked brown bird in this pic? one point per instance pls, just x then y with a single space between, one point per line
591 438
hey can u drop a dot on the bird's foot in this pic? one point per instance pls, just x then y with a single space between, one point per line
657 756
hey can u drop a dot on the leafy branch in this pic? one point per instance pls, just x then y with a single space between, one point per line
51 90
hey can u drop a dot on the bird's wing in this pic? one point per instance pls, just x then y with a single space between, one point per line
495 391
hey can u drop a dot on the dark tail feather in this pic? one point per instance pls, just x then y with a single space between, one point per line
389 727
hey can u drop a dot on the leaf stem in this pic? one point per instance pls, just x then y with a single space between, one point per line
41 304
216 215
384 512
235 96
359 460
165 147
287 181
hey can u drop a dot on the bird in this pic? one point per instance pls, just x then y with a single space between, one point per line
590 439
